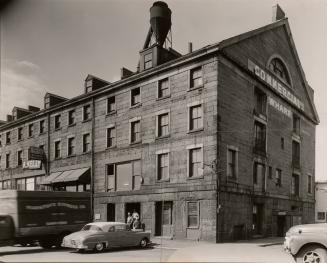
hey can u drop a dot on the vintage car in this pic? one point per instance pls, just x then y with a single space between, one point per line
307 243
101 235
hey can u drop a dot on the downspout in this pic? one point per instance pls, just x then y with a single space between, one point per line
92 160
218 238
47 170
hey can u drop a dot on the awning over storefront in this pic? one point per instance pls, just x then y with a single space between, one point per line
67 176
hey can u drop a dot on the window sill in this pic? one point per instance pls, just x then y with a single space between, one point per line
84 153
84 121
135 106
111 147
111 113
29 137
57 158
196 130
195 177
71 155
72 124
162 98
57 129
163 137
135 143
195 88
192 227
20 140
163 181
42 133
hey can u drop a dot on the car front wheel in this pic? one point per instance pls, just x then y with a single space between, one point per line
312 254
99 247
144 243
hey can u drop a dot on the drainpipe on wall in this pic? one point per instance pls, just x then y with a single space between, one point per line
47 172
92 160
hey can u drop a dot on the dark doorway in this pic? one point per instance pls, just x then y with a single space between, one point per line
111 213
158 220
131 207
257 218
281 222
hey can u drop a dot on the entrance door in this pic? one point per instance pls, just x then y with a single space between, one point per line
257 217
158 219
281 222
111 213
131 207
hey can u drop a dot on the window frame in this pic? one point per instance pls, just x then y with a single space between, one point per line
20 133
190 106
132 102
87 112
108 111
309 184
158 167
197 215
111 127
236 151
71 116
258 95
42 126
7 161
86 145
190 149
19 157
57 122
73 146
159 82
279 181
295 185
57 150
8 137
191 79
159 115
131 123
146 61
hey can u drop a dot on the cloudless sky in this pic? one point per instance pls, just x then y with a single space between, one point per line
51 45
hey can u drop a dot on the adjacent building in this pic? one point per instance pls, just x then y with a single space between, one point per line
321 202
217 144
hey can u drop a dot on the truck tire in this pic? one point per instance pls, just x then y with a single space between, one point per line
312 254
46 243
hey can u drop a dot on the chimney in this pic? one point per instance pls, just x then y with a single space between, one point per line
190 47
278 13
124 73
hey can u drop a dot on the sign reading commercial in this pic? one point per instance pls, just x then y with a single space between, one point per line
275 84
35 153
32 164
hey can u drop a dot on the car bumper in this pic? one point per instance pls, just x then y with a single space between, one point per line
73 244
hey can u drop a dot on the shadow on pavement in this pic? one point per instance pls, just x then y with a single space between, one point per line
113 250
26 250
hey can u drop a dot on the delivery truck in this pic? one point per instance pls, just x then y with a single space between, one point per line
45 217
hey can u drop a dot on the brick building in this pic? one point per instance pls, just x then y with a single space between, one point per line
217 144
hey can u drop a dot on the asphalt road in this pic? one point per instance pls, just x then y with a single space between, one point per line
171 251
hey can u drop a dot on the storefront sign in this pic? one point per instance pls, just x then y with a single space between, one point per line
280 107
275 84
282 213
32 164
35 153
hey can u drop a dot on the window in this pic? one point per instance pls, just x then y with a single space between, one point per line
278 67
163 88
167 213
258 172
111 134
86 142
88 85
321 215
20 133
7 160
0 141
111 184
38 183
163 166
135 131
8 137
20 158
135 96
42 126
196 79
296 124
196 119
259 138
232 163
71 117
309 184
57 121
270 172
30 184
124 176
193 214
21 184
47 102
6 184
148 61
163 125
71 146
86 112
296 154
41 146
282 143
30 130
295 185
57 149
278 177
111 105
195 162
260 102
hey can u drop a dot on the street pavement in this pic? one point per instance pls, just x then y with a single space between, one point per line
162 250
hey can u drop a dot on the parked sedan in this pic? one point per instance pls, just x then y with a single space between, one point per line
101 235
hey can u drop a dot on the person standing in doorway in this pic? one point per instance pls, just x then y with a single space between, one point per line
135 215
129 220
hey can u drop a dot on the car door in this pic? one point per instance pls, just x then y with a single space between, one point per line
111 237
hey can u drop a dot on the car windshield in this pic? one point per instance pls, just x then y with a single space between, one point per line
91 228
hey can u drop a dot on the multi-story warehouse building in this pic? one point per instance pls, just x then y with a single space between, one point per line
217 144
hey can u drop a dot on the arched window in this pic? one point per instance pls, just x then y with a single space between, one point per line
278 67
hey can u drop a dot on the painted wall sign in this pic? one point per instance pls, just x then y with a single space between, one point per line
32 164
280 107
35 153
275 84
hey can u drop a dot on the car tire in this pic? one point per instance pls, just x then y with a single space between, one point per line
46 244
99 247
144 242
312 254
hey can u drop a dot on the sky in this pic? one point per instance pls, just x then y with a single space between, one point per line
51 45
